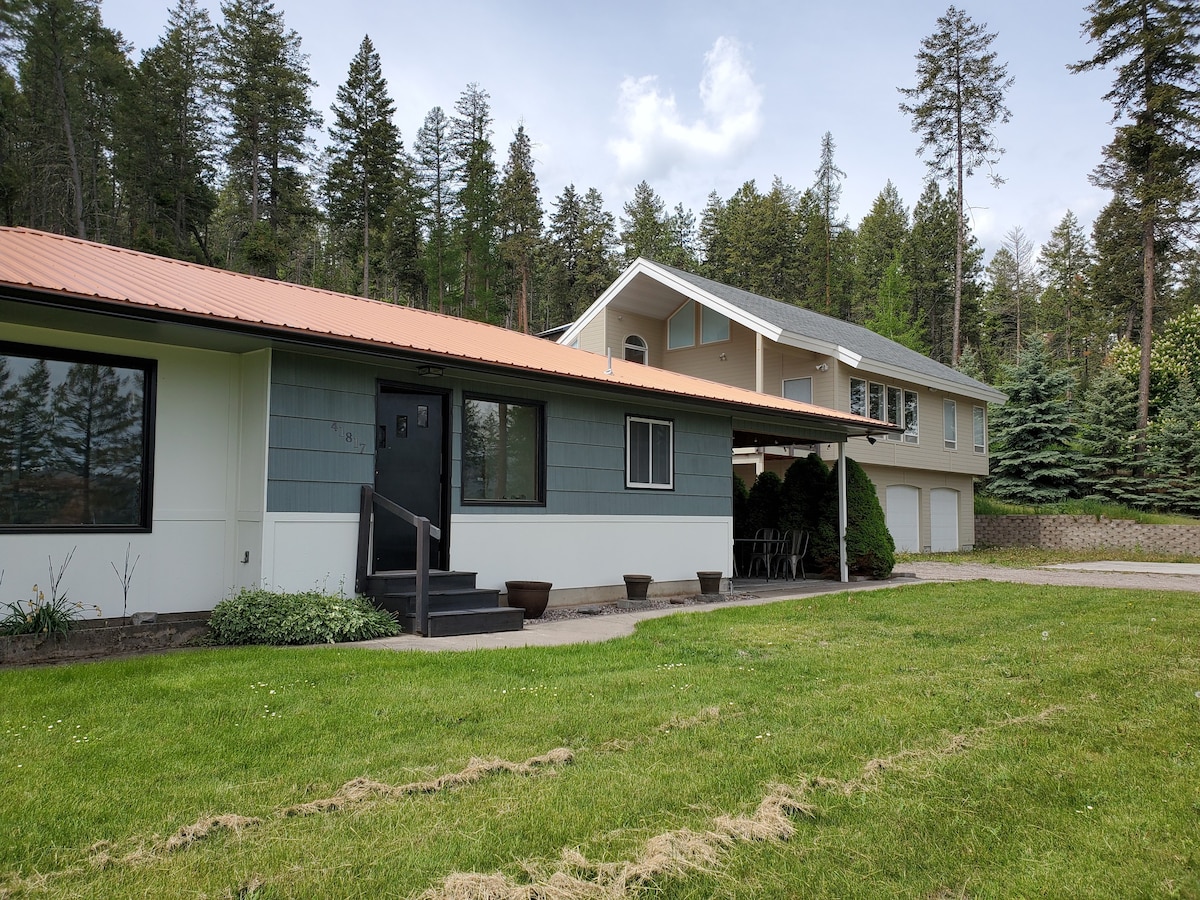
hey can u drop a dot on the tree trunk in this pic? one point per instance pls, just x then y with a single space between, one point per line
1148 251
60 89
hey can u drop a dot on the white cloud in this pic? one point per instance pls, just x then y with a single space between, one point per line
658 140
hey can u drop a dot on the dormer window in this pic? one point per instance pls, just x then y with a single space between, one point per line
635 350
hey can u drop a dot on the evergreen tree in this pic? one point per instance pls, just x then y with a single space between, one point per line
364 158
681 247
471 140
168 135
1173 453
956 105
828 190
892 314
930 261
804 486
870 549
71 70
879 237
402 263
520 218
436 174
1108 440
644 230
1065 264
267 111
1032 434
1153 159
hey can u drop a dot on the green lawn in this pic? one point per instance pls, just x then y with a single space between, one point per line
935 741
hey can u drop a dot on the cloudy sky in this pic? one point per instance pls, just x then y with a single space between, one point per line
708 94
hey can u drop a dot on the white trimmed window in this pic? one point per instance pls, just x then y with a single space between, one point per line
858 397
635 349
876 397
649 453
798 389
979 420
950 424
681 327
714 327
910 417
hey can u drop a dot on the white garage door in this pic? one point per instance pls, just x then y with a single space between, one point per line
943 520
903 517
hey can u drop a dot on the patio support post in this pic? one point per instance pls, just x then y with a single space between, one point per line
843 569
422 580
758 362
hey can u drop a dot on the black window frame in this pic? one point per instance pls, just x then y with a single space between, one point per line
540 407
149 369
652 421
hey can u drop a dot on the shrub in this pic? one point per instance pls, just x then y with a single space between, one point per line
870 549
259 616
741 508
803 487
762 507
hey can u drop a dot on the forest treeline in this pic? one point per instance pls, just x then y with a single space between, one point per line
208 148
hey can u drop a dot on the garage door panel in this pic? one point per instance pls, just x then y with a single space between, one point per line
904 517
943 520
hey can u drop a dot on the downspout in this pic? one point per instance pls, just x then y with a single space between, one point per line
843 569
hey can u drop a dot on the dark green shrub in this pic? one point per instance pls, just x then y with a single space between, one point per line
763 505
741 508
804 486
258 616
870 549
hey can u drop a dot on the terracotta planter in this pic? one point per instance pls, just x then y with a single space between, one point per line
710 582
530 596
636 587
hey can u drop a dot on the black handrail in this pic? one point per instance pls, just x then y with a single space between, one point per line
425 531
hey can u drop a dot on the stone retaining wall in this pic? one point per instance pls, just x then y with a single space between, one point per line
1085 533
92 639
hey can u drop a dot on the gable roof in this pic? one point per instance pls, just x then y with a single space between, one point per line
853 345
73 274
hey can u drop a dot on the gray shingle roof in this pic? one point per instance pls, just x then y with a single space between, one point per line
806 323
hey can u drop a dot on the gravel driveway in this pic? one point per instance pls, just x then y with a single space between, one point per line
1146 576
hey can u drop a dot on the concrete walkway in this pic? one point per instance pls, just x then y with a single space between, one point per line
593 629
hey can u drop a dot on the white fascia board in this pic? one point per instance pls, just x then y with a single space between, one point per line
886 370
572 334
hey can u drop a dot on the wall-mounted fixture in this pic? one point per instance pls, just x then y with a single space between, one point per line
870 440
430 371
822 367
723 357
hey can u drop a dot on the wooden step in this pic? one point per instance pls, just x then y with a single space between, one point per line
468 621
405 581
440 600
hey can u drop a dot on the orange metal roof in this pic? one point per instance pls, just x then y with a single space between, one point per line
118 278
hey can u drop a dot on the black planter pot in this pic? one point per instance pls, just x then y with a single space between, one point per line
636 587
710 582
530 596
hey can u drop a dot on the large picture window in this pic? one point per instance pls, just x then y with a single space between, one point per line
649 453
502 452
75 440
681 327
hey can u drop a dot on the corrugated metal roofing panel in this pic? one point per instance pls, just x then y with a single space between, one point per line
115 277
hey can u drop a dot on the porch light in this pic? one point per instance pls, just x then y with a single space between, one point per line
430 371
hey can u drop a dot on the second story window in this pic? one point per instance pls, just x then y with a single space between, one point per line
979 420
635 349
950 423
681 327
798 389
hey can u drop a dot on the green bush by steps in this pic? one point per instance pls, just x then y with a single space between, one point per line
259 616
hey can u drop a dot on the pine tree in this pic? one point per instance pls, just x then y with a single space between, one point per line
1065 264
520 218
892 314
71 70
870 549
644 225
828 189
1032 434
267 111
471 140
1173 453
956 105
168 135
364 158
1108 440
879 237
436 174
1153 159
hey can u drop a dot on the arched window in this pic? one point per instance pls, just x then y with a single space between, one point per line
635 349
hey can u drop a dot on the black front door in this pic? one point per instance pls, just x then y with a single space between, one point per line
410 469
